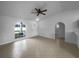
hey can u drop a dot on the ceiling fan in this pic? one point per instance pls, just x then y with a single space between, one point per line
39 11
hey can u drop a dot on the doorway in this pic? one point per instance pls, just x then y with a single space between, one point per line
60 30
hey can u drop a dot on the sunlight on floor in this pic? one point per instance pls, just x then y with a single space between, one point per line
19 47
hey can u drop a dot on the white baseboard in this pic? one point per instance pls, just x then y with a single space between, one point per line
48 37
18 39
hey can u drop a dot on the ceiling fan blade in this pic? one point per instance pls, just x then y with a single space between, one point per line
36 9
44 10
43 13
38 14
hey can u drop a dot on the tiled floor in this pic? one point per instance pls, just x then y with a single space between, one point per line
39 47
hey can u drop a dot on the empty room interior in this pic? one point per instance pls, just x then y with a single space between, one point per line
39 29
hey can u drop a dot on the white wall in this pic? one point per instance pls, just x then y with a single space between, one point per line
7 25
47 26
66 12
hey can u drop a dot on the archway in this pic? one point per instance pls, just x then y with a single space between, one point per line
60 30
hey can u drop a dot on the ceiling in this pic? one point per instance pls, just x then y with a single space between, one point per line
23 9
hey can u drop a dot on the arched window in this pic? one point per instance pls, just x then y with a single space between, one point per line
20 29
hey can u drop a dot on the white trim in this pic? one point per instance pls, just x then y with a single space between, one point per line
18 39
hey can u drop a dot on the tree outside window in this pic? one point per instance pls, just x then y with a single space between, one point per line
20 29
